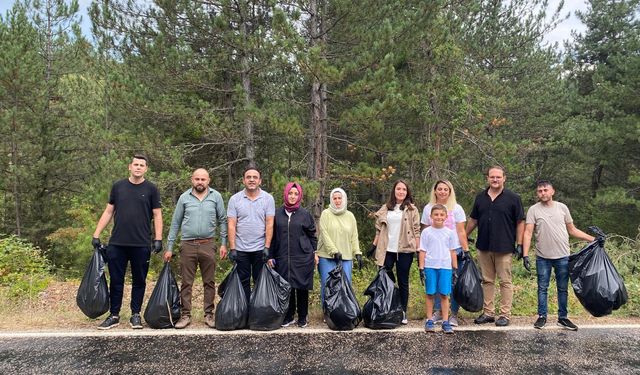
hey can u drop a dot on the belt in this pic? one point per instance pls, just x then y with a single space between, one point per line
200 241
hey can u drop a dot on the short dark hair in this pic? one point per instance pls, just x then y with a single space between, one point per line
496 167
141 157
543 183
391 202
251 168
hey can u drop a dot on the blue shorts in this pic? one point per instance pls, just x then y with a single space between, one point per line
438 280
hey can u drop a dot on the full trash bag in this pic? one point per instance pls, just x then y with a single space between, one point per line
269 301
93 293
233 310
341 309
163 308
383 310
467 291
595 280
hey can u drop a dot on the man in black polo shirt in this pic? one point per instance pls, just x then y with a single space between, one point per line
133 202
499 216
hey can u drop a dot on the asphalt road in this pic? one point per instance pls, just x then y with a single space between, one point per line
320 351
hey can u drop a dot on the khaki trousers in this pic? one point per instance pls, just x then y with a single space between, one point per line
193 254
494 264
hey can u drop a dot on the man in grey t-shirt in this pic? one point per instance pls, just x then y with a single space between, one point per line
250 217
551 223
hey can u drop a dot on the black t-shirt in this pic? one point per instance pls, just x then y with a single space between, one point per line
133 211
497 220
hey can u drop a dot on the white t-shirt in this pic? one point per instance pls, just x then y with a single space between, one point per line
394 221
437 243
458 216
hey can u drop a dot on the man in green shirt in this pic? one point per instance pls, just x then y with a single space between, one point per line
198 211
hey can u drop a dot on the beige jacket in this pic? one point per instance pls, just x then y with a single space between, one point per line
409 231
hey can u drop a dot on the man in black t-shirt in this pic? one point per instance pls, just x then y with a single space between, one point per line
133 202
499 216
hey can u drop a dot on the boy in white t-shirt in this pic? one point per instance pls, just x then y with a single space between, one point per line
437 257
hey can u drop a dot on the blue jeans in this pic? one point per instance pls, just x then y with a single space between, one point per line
454 305
324 266
561 269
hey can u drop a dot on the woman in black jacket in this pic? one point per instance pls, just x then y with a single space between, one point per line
293 252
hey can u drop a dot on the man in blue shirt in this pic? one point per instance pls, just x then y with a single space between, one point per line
198 212
250 216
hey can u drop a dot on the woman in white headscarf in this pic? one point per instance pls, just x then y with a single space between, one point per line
338 240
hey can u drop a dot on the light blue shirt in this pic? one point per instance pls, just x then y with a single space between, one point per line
251 218
198 219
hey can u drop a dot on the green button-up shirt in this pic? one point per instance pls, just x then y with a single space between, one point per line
198 219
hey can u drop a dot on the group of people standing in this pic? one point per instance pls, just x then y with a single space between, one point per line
286 238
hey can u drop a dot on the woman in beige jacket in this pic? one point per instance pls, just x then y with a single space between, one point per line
397 237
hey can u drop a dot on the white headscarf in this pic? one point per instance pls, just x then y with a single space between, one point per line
335 210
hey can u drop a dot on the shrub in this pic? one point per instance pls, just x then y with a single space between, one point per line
24 271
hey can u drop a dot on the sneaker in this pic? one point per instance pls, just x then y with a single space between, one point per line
540 323
404 318
502 321
110 322
437 317
302 323
183 322
135 322
208 320
288 322
453 320
484 318
567 324
429 326
446 327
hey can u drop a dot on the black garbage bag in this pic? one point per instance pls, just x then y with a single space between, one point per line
163 308
233 310
269 301
93 293
468 289
340 307
595 280
383 310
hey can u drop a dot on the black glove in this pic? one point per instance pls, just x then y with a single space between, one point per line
95 242
421 276
601 240
233 255
465 256
371 253
337 257
525 263
517 252
157 246
265 254
359 259
454 277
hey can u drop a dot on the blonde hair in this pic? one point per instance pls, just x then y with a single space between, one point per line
451 202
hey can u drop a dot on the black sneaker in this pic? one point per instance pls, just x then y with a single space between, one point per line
110 322
567 324
502 321
288 322
540 323
484 318
302 323
135 322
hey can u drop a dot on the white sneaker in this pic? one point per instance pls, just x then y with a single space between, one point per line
453 320
404 318
437 317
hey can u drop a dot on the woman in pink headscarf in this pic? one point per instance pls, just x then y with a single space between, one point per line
293 252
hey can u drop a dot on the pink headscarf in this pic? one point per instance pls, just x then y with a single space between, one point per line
295 206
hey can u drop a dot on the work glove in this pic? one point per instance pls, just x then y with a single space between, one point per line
337 257
465 256
517 252
359 259
601 240
95 242
265 254
371 253
454 277
525 263
421 276
233 255
157 246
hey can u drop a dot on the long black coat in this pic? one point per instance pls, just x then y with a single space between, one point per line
293 246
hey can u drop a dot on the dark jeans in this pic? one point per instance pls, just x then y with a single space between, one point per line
249 265
299 300
118 257
402 262
561 269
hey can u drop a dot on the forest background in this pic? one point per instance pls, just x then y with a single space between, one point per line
330 93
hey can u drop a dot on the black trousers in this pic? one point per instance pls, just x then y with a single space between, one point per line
299 300
249 265
402 261
119 257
